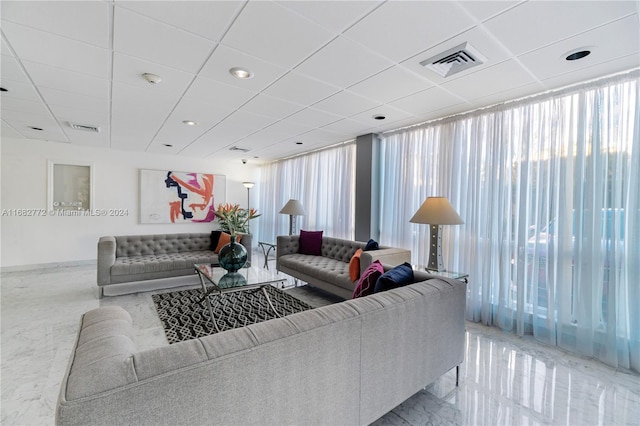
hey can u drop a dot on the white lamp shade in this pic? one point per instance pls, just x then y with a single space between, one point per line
436 211
293 207
248 185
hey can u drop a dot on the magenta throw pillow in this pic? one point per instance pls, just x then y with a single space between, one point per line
310 242
367 281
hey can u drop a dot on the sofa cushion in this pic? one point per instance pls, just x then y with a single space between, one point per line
354 265
372 245
396 277
310 242
367 281
132 265
329 270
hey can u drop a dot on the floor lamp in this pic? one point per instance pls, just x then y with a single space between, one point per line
248 185
436 211
293 208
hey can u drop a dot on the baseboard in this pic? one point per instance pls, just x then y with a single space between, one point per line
53 265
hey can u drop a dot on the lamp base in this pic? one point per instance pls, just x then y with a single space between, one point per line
435 250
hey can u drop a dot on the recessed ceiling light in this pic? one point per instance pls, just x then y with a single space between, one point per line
152 78
36 128
2 89
298 143
379 117
190 123
578 55
241 73
168 145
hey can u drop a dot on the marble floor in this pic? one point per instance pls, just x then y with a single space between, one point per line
505 380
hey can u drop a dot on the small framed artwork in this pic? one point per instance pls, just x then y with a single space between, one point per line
168 196
70 186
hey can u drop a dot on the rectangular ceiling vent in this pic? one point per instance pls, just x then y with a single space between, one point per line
85 127
236 148
454 60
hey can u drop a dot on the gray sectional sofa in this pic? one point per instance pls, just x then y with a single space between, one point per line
137 258
344 364
330 270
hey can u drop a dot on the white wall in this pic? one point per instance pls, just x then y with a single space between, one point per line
38 240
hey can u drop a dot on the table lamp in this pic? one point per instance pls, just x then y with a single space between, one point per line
293 208
436 211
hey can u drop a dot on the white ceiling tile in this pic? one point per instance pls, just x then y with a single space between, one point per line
503 76
74 100
283 130
400 29
356 63
224 58
347 126
539 23
19 90
318 136
206 18
4 49
392 114
133 132
313 118
205 113
617 39
219 94
299 89
346 104
67 80
50 129
57 51
488 47
247 121
391 84
66 114
85 21
10 70
270 106
23 105
137 35
428 100
507 95
129 70
482 10
335 16
285 38
584 74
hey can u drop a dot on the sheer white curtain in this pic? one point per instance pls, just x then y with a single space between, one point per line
323 181
549 192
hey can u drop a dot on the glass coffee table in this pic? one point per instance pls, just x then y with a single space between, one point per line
215 281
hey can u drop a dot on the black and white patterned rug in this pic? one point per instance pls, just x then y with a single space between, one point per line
185 315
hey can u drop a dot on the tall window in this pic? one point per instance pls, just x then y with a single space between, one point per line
323 181
549 192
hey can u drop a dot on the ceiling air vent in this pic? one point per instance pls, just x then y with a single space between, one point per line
454 60
85 127
237 148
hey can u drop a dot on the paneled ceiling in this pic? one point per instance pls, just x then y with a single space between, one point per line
322 69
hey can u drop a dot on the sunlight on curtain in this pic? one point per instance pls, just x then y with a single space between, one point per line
323 181
549 192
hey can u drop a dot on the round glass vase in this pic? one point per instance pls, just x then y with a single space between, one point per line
232 256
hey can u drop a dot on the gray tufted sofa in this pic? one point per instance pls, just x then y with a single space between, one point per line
347 363
135 258
330 271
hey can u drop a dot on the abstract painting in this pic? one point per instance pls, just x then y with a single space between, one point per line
168 196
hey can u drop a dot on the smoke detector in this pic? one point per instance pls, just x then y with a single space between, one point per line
454 60
85 127
152 78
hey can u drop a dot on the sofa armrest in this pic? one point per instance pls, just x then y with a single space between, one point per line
286 244
106 259
386 256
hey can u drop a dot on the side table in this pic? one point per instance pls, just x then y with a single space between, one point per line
462 276
266 250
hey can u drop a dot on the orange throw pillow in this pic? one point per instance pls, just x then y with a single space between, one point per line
224 240
354 265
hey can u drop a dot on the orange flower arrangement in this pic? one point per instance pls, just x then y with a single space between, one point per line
233 219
